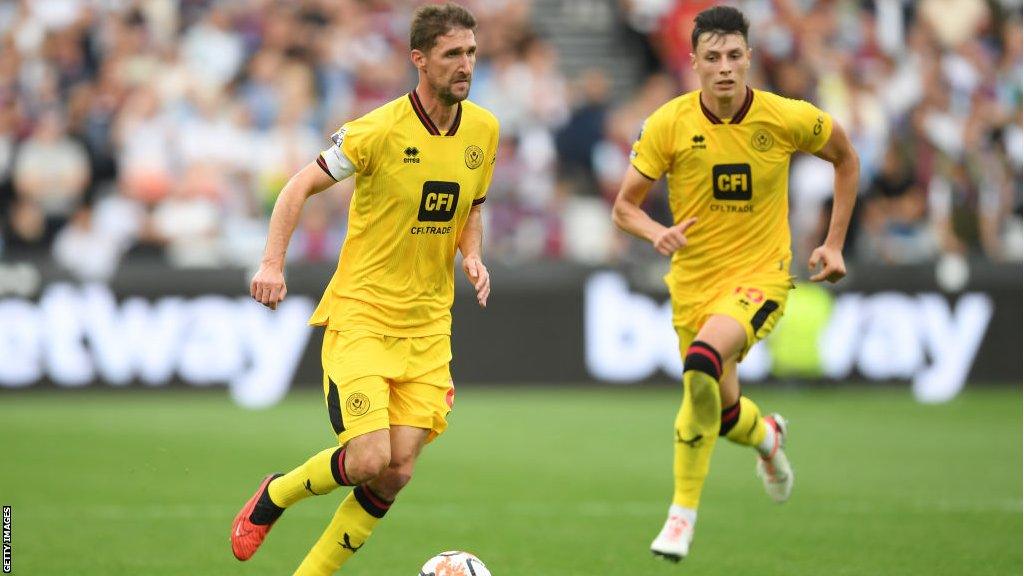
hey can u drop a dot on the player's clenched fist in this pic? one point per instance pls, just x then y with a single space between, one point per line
268 286
673 238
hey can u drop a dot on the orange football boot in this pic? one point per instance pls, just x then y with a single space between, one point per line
246 537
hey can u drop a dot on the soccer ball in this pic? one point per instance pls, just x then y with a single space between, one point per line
454 563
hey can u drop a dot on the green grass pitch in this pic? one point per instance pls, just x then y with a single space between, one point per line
536 481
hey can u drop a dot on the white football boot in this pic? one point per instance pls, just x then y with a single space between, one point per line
673 542
774 469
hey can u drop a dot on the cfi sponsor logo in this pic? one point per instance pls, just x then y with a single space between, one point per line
732 182
439 201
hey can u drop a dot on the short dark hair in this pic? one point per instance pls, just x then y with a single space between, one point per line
719 20
435 20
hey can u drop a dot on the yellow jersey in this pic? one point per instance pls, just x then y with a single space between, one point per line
413 194
733 175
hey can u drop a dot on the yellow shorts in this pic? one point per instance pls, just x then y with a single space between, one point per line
757 304
373 382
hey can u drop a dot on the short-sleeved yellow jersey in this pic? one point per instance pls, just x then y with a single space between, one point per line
733 175
414 190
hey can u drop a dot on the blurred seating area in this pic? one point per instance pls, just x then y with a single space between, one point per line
160 129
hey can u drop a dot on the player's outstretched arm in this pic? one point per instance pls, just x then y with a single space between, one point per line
628 216
267 286
840 152
470 244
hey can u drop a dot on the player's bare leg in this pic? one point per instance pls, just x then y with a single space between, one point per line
359 513
406 444
361 459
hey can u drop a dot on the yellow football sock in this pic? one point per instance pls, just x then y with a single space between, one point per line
749 428
697 426
315 477
345 535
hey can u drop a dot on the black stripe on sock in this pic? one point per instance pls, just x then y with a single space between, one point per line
730 417
762 314
338 467
334 407
700 356
265 511
371 502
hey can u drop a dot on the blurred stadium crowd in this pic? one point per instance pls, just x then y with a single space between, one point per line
164 129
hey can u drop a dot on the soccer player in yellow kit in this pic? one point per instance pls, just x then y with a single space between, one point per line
725 150
423 163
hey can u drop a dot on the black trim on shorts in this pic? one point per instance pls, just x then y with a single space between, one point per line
334 407
762 314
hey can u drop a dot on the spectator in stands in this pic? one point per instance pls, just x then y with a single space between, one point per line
894 225
144 135
84 250
158 94
51 170
578 138
25 231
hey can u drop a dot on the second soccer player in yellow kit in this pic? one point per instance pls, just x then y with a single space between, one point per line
725 150
423 163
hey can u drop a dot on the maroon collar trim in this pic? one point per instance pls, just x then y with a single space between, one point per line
421 113
737 118
455 123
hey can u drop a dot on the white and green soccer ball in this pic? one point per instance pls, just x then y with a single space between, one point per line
454 563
